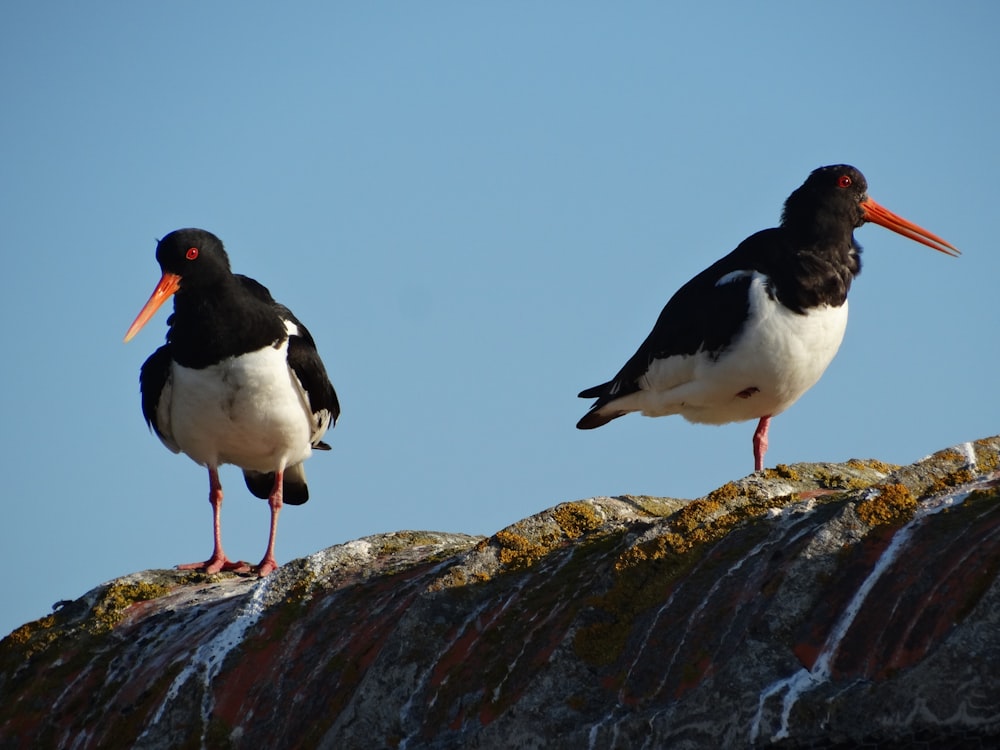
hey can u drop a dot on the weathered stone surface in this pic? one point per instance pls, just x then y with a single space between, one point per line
814 605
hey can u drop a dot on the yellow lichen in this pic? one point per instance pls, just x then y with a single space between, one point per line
654 506
695 513
893 503
728 491
952 479
834 480
118 597
987 457
576 519
698 523
873 464
781 471
518 551
28 640
27 631
35 637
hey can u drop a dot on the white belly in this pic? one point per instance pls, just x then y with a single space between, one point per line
780 353
249 411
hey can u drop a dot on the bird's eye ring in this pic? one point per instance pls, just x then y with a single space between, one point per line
192 253
844 181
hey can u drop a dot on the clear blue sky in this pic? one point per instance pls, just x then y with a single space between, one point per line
478 209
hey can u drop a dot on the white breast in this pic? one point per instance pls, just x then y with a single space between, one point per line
249 410
780 353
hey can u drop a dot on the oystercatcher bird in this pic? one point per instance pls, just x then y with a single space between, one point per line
746 337
239 382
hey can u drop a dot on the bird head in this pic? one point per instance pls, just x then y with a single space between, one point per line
188 258
837 197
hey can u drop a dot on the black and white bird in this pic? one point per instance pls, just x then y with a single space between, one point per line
746 337
239 381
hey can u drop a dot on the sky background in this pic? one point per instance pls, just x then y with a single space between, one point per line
478 209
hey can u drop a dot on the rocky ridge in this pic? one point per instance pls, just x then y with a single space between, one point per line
812 605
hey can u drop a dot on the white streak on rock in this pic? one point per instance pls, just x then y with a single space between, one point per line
208 658
804 680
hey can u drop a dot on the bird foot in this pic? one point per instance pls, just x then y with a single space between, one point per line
216 565
267 566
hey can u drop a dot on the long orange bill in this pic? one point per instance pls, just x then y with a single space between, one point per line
886 218
169 283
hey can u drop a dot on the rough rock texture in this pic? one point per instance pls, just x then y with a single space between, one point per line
814 605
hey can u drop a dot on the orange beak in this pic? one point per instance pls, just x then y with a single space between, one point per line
169 283
886 218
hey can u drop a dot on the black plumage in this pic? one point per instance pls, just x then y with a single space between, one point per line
239 380
783 290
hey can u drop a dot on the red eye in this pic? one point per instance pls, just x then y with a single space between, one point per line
192 253
844 181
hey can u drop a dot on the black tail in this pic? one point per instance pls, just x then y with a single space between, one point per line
592 418
596 392
294 492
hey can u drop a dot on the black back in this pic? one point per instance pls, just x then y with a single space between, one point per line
809 261
218 314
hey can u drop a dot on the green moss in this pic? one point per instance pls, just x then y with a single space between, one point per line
645 570
893 503
642 574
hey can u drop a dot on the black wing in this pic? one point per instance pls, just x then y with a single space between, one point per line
305 362
154 378
706 314
262 293
308 368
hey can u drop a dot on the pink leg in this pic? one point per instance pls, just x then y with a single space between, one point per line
218 561
760 443
268 564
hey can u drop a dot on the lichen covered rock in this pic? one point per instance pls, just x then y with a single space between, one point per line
813 605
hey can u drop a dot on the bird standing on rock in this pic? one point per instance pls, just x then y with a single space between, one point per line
746 337
239 381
